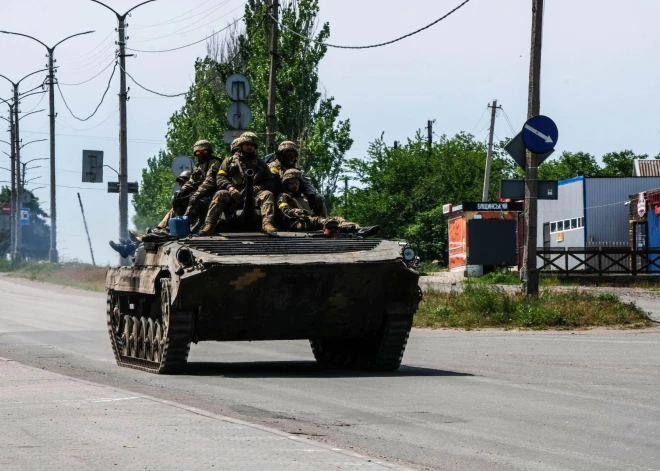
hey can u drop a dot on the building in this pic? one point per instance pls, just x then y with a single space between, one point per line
590 211
646 168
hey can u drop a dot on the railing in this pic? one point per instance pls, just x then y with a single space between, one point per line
599 260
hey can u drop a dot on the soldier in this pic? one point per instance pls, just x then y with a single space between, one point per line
196 194
231 181
177 209
299 216
286 157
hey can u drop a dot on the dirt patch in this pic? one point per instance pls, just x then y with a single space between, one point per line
74 275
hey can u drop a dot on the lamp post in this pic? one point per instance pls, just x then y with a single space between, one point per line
16 249
52 254
123 145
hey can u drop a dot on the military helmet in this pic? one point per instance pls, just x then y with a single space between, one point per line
249 138
235 145
291 174
287 145
203 145
185 175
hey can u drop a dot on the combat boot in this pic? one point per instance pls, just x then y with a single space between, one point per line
267 226
207 230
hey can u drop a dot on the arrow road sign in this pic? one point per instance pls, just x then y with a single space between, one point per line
516 149
540 134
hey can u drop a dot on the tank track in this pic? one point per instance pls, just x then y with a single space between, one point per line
382 352
167 356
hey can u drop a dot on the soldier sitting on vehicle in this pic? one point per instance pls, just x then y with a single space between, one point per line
299 216
177 209
231 181
286 157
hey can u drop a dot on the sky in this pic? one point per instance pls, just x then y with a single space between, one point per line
600 80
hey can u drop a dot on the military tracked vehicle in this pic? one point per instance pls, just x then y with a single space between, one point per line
353 298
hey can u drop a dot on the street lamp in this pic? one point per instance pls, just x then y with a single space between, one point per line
52 254
16 250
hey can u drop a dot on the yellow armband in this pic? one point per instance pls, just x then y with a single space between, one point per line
222 172
275 171
281 205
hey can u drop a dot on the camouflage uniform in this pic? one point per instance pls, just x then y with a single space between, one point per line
281 165
177 209
230 178
297 212
200 187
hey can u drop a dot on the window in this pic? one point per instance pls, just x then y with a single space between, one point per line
574 223
560 226
580 224
553 227
567 224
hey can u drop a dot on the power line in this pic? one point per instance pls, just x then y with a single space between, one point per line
38 103
107 138
187 28
68 126
480 118
90 79
97 107
81 57
191 44
373 45
506 116
154 92
175 19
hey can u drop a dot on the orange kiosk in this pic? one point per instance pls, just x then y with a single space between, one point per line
476 238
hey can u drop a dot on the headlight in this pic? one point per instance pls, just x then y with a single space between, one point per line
409 254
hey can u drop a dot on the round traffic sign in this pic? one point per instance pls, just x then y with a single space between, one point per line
238 87
239 115
540 134
181 164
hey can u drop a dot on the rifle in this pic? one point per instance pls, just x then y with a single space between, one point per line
248 196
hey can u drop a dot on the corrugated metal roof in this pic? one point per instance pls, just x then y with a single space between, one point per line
646 168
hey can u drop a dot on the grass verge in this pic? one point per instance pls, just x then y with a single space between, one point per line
479 306
71 274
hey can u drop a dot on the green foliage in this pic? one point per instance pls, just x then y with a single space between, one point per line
304 114
569 165
154 198
403 189
482 306
35 236
620 164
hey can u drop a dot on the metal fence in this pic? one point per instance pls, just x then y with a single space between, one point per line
599 260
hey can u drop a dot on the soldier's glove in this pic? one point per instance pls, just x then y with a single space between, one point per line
236 195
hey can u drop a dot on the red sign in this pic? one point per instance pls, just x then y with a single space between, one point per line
6 208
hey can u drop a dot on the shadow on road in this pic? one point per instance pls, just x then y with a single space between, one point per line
302 369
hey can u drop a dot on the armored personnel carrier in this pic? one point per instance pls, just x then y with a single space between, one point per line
353 298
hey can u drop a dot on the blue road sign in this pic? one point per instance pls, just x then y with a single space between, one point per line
25 216
540 134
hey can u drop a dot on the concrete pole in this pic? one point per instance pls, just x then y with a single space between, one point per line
123 145
530 281
271 119
52 253
489 156
14 205
16 251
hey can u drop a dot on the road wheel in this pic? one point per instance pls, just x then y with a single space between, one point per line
158 342
149 340
142 340
126 336
135 336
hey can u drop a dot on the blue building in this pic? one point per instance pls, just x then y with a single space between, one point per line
590 211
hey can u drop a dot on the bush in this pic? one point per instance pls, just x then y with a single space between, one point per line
483 306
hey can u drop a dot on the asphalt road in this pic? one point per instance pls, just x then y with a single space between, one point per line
487 400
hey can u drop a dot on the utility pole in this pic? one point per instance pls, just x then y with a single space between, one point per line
52 253
271 119
530 281
429 137
12 157
489 156
123 144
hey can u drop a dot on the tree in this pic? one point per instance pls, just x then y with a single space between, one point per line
570 165
620 164
35 236
304 114
403 189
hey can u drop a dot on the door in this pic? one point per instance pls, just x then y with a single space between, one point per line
546 235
